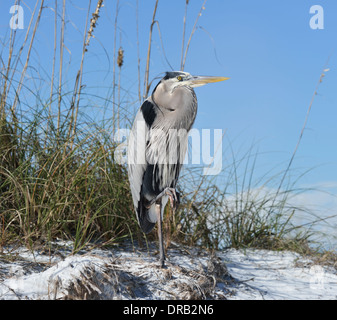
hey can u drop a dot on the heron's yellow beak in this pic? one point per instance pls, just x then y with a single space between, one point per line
198 81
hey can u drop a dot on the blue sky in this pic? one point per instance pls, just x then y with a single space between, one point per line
268 49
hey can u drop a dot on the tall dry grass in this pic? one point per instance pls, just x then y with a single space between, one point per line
58 176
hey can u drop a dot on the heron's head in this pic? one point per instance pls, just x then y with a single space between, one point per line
175 79
174 90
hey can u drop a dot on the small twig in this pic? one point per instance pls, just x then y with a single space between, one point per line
53 70
23 73
78 83
183 41
93 22
138 51
61 67
19 54
114 72
147 69
325 69
192 33
120 60
54 57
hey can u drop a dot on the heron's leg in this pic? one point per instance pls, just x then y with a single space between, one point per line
160 234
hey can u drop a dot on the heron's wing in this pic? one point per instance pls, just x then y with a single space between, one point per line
138 162
136 156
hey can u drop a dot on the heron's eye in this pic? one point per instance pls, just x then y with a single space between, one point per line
179 78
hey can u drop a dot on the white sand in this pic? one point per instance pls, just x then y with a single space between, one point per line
129 273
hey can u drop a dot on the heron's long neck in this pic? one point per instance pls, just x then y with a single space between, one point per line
178 108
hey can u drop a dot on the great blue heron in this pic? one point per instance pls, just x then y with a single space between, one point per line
157 146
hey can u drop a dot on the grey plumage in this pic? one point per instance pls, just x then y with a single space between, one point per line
158 143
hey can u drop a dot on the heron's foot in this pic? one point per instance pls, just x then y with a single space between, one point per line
162 262
171 193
